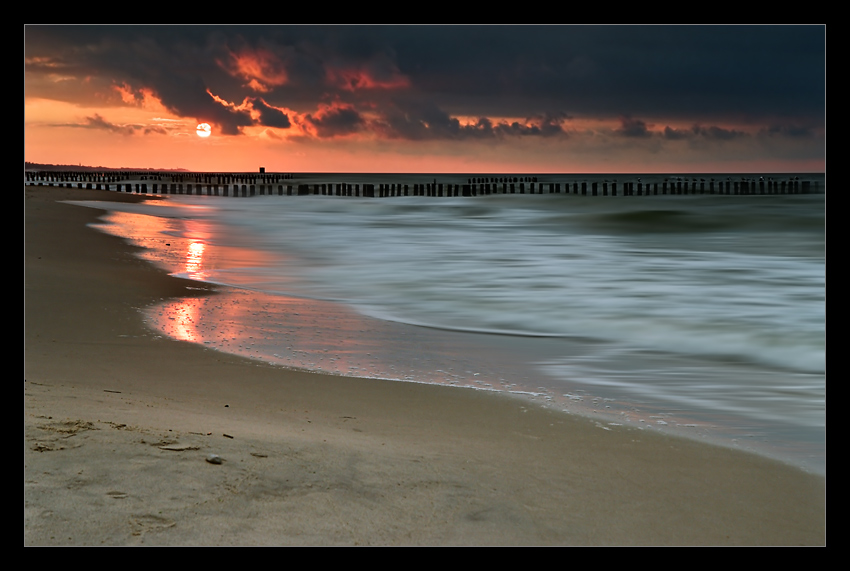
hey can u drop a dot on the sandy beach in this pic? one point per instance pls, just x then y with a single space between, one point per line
120 424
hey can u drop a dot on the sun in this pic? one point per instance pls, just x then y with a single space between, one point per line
204 130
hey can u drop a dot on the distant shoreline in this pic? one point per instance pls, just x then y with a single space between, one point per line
29 166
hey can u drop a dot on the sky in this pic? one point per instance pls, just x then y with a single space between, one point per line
439 98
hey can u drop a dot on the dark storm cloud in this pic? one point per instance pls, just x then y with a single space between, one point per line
633 128
270 116
640 70
676 134
548 125
793 131
426 121
191 98
179 68
698 131
705 74
717 133
335 120
420 121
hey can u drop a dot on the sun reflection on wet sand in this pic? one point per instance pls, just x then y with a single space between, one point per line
195 257
175 244
180 319
325 337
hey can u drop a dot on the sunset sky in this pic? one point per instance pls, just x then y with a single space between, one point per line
489 99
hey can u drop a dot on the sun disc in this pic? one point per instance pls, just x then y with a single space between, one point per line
204 130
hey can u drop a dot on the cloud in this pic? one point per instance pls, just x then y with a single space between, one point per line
211 108
717 133
544 126
426 121
270 116
792 131
633 128
334 120
447 83
413 121
98 122
506 71
260 68
155 129
710 133
378 72
355 79
676 134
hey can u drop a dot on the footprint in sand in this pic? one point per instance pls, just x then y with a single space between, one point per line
149 522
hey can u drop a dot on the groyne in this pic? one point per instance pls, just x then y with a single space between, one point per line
260 184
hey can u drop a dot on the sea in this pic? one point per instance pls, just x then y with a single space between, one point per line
698 315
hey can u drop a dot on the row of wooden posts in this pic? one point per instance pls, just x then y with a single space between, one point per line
115 177
262 183
476 189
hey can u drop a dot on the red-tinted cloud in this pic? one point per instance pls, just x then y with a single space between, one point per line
337 119
261 69
357 79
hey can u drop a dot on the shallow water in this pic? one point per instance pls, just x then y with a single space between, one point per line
698 314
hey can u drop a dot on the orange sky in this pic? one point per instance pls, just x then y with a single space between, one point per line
379 112
149 136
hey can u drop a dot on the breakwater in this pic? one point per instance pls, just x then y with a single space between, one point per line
263 184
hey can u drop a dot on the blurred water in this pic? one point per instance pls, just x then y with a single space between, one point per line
702 312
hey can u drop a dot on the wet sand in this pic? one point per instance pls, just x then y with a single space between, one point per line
119 423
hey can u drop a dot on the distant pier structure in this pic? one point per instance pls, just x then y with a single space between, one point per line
287 184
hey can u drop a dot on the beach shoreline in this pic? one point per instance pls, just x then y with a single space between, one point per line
119 423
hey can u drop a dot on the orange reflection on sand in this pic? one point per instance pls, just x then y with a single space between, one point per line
195 257
183 315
